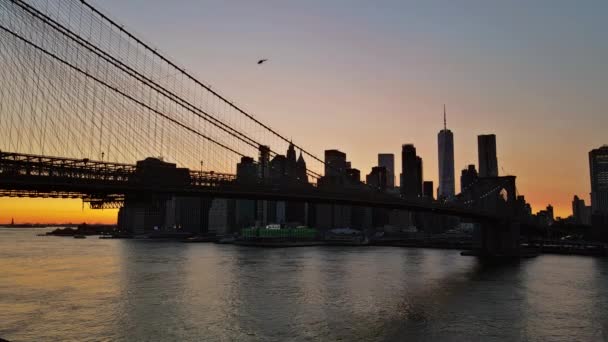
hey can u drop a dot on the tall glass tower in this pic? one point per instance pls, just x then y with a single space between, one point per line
445 140
388 161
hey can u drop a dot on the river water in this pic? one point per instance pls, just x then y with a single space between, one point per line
65 289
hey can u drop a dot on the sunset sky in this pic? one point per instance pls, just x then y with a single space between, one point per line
366 77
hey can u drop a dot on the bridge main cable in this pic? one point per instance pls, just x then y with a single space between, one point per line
27 42
193 79
137 75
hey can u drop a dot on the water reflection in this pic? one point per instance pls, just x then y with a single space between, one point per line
561 304
124 290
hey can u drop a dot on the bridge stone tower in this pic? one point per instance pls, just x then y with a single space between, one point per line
496 196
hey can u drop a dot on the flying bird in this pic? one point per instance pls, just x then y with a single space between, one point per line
262 61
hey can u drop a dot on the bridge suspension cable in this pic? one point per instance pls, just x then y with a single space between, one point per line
113 94
208 88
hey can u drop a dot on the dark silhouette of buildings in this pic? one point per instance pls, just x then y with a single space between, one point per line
524 209
598 167
335 163
377 178
338 171
427 190
581 213
263 162
486 149
419 176
353 175
467 177
445 144
339 175
387 160
246 171
545 217
281 170
162 213
286 169
411 166
301 175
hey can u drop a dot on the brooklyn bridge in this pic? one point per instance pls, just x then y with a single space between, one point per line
89 110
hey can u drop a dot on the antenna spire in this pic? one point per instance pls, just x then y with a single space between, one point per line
445 125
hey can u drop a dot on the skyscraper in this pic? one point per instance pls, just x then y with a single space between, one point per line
301 174
419 176
427 189
598 167
387 160
445 140
411 166
377 178
335 163
581 213
486 152
263 161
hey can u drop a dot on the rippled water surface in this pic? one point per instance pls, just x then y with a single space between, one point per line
65 289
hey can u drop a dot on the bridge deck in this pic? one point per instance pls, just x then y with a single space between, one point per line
25 175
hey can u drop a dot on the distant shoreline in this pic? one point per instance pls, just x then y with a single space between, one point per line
74 225
37 227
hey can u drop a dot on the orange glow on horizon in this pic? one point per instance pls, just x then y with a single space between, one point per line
58 211
52 211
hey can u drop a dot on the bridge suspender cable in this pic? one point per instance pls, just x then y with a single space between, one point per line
192 78
133 73
27 42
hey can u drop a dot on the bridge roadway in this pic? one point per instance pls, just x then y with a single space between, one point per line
25 175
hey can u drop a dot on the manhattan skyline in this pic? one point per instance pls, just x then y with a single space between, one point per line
383 84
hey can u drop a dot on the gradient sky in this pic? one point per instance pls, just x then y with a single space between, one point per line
368 76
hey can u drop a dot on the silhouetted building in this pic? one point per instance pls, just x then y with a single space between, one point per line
387 160
486 151
278 169
550 215
338 171
581 213
523 210
335 163
445 140
263 161
427 189
377 178
245 210
290 162
598 167
291 153
419 176
353 175
329 216
411 166
246 171
467 177
301 175
186 214
284 170
222 216
246 213
545 217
